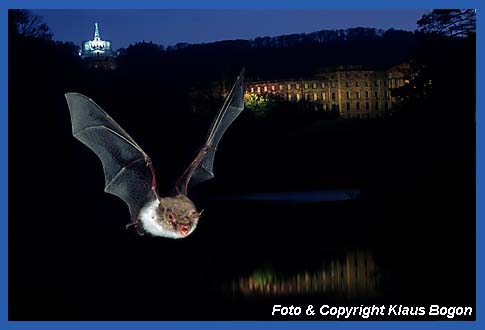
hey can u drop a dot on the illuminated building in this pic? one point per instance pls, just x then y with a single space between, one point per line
97 52
354 92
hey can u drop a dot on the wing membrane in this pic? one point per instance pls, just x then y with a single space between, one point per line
201 168
127 169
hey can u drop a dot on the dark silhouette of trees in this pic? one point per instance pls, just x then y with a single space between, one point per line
449 22
24 23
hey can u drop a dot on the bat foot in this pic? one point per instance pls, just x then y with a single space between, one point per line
136 224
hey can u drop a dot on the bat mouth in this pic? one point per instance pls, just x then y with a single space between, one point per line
184 229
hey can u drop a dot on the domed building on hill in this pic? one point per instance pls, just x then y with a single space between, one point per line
97 52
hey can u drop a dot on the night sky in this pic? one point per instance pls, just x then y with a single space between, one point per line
169 27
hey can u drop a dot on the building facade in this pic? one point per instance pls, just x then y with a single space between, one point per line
353 91
97 52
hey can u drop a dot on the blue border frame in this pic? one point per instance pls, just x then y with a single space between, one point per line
227 4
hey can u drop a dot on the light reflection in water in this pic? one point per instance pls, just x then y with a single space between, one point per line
355 275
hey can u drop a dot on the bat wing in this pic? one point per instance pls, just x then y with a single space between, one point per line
201 168
127 169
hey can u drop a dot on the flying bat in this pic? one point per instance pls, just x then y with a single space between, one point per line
130 174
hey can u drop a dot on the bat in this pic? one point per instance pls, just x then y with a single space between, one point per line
130 174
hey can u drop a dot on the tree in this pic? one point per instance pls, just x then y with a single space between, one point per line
23 22
449 22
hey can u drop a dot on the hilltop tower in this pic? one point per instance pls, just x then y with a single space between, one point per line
97 52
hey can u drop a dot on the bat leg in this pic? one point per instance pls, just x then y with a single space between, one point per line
136 223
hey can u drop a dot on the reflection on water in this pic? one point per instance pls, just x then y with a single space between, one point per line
355 275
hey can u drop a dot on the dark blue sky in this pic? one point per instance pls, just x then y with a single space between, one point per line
168 27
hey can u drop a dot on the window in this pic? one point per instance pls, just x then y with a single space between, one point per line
314 85
347 84
259 89
265 88
306 86
315 96
307 97
273 88
334 107
298 96
332 84
333 96
366 105
377 105
323 96
252 89
376 83
348 106
357 95
280 87
347 94
289 97
366 83
357 83
289 86
376 94
366 94
357 106
297 86
323 85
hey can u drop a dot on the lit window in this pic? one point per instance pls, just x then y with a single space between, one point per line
323 96
306 86
297 86
273 88
307 96
252 89
280 87
289 86
323 85
315 96
259 89
298 96
332 84
265 88
314 85
289 97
